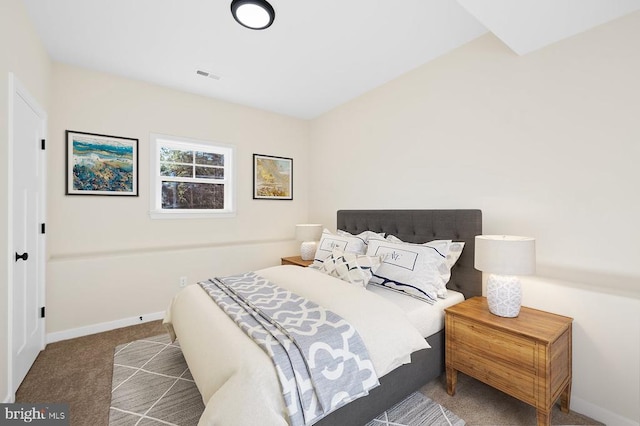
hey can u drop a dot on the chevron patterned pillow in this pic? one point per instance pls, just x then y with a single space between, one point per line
351 267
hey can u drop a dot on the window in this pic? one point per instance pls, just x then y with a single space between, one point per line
191 178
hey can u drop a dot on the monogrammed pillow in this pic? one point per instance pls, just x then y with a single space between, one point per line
453 254
330 241
416 269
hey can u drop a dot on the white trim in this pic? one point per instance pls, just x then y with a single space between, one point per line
599 413
103 326
9 179
17 89
164 214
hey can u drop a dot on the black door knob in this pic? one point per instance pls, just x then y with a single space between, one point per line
23 256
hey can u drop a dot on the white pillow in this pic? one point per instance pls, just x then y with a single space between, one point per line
330 241
455 250
443 246
365 235
417 269
350 267
453 253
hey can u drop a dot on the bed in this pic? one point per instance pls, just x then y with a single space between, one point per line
203 355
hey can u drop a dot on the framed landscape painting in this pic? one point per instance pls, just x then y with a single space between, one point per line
101 164
272 177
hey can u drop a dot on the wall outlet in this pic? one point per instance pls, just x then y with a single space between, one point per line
183 281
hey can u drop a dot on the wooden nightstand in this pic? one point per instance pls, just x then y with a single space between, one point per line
296 260
528 357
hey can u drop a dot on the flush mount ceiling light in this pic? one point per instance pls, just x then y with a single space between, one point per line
253 14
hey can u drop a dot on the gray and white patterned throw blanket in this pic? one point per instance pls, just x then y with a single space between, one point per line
320 359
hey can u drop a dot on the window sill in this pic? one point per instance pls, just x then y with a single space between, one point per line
163 214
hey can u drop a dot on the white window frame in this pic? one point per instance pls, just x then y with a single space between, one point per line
155 182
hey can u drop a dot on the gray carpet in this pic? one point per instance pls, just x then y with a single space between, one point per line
152 385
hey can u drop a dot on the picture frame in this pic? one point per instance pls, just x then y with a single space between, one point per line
272 177
99 164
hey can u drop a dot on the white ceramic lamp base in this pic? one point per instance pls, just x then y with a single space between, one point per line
504 295
308 250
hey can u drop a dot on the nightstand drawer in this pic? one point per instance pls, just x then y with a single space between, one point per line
507 378
493 344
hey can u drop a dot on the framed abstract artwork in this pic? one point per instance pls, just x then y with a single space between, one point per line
101 164
272 177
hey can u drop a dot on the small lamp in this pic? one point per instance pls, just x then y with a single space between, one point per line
309 234
505 257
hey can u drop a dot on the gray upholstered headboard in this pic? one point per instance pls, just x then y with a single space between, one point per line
420 226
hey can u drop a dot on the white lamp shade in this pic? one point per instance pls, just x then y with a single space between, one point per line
505 254
308 232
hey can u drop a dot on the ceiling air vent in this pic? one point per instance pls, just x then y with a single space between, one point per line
208 74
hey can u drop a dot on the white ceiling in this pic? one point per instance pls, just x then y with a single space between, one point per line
317 55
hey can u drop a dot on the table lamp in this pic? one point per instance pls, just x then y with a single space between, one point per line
309 234
505 257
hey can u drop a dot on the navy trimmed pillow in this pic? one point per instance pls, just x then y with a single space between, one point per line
416 269
453 253
330 242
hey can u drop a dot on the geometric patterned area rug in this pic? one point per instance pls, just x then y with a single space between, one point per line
417 410
152 385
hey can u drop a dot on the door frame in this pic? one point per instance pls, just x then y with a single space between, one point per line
17 89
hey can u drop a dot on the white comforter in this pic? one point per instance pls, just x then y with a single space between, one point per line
236 377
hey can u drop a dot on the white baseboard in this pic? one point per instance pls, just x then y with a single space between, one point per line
103 326
9 399
601 414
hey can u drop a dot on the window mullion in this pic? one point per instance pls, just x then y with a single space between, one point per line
191 180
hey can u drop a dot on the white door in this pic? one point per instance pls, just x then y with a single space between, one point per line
27 213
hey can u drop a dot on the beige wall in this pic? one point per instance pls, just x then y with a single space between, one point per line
108 259
22 54
547 145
